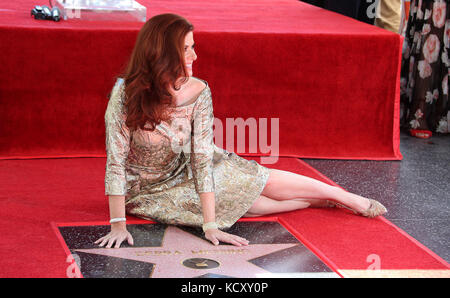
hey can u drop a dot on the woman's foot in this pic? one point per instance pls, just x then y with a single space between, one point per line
375 209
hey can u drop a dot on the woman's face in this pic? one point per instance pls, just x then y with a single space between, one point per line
189 53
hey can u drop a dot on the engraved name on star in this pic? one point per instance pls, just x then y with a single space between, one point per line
200 255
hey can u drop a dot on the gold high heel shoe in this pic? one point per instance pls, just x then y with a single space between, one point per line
375 209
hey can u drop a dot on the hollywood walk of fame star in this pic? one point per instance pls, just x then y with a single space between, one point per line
181 253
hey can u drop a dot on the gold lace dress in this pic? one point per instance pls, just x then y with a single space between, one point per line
162 172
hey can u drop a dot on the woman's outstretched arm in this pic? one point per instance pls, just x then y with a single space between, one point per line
117 147
202 152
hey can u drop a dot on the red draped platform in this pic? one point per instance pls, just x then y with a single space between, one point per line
330 80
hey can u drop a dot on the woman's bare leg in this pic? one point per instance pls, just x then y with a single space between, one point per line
284 185
264 206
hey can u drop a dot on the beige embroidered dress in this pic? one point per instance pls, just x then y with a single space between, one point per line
162 172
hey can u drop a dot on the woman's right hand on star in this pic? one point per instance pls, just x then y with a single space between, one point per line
117 235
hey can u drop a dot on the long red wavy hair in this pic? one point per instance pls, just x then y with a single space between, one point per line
156 63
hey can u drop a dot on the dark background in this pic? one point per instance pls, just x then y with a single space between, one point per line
356 9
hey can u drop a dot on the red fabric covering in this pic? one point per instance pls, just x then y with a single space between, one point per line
332 81
35 193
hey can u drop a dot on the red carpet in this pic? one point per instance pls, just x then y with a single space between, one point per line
36 193
332 81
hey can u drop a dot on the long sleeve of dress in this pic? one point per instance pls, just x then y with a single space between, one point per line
117 143
202 144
